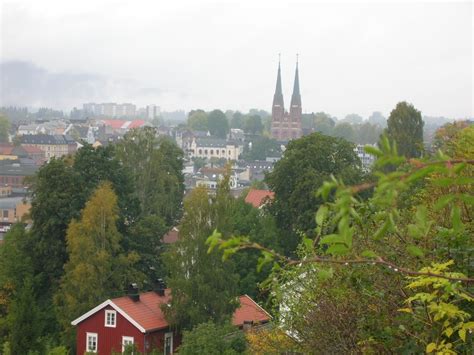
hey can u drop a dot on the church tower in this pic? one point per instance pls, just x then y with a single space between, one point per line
286 126
278 107
295 109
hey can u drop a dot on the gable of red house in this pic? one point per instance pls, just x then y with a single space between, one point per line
107 327
258 198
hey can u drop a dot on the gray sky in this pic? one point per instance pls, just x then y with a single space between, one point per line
354 57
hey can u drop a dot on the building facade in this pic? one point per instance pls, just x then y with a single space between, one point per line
286 125
52 145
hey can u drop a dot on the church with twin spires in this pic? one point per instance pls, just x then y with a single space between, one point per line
286 125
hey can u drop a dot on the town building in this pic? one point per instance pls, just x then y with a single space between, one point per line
215 148
110 109
13 174
139 320
120 126
52 145
13 209
366 158
286 125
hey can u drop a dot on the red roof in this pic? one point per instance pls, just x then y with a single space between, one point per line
32 149
249 310
257 198
146 312
6 148
124 124
172 236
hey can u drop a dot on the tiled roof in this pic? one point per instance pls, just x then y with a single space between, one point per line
249 310
172 236
257 198
124 124
146 313
6 148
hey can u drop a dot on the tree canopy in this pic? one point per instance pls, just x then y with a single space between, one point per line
405 128
306 164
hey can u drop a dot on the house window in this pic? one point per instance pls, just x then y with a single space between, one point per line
92 340
168 343
126 341
110 318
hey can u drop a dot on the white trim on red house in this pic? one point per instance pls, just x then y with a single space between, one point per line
114 306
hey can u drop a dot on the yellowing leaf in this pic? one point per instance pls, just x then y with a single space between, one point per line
430 347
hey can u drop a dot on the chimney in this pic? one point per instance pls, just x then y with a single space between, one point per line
133 292
160 287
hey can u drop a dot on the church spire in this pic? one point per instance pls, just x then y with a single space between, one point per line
296 97
278 97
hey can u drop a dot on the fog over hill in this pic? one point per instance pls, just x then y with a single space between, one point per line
23 83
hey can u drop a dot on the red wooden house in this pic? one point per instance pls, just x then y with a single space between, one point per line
138 320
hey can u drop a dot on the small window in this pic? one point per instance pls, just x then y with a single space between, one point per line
126 341
92 340
168 348
110 318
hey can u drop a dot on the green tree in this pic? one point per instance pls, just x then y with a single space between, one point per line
213 339
306 164
323 123
405 128
24 320
262 147
97 267
156 165
253 124
407 263
377 118
4 129
237 120
344 130
204 288
197 120
21 322
218 124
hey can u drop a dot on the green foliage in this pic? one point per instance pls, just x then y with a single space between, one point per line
198 121
218 124
4 129
203 286
97 267
419 214
213 339
156 169
262 147
307 163
405 128
253 124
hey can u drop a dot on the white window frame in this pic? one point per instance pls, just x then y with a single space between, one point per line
126 338
168 335
107 312
96 342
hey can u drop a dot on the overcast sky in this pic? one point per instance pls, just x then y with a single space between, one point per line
354 57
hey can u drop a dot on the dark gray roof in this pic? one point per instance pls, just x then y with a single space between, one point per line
9 202
47 139
17 169
211 142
